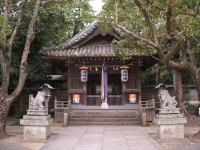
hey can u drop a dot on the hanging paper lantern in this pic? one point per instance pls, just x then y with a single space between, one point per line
84 75
124 75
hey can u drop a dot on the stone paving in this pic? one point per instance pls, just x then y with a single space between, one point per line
102 138
98 138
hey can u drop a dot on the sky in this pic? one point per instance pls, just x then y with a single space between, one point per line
96 4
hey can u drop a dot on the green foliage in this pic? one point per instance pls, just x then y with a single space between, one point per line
15 124
166 77
19 113
126 14
186 96
148 77
184 26
55 24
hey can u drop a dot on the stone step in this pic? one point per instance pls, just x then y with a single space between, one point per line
105 123
103 116
104 119
105 113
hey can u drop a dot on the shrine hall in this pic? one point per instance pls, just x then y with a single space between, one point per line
94 73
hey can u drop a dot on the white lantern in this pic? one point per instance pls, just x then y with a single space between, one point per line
84 75
124 75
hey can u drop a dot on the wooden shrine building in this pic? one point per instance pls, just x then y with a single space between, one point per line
84 54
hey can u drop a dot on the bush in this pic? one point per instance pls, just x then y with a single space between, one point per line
19 113
15 124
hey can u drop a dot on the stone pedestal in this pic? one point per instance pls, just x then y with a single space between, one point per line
36 128
104 105
170 124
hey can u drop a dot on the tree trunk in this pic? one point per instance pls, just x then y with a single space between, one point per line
4 109
197 135
178 92
2 124
3 133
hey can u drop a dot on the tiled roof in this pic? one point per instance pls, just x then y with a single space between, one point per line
88 51
77 38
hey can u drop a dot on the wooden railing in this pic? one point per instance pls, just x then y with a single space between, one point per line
147 110
62 111
60 104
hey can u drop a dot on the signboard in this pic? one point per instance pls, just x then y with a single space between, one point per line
84 75
132 98
76 98
124 75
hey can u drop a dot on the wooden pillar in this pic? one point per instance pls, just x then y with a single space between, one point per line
177 80
123 93
84 93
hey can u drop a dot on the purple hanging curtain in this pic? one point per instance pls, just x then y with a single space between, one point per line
104 84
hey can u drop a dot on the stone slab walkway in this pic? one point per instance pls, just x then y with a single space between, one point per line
97 138
102 138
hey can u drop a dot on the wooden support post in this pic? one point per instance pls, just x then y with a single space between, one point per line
65 117
144 119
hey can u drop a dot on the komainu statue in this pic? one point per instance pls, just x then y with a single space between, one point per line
37 102
166 100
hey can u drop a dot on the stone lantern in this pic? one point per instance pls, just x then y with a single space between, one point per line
47 89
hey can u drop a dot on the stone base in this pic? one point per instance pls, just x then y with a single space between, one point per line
171 131
169 111
166 121
104 106
37 112
36 128
36 133
170 125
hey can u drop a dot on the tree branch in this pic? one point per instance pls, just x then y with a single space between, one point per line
162 68
156 58
49 1
135 35
157 7
148 20
169 16
173 51
156 46
193 15
161 37
18 24
30 34
6 9
195 39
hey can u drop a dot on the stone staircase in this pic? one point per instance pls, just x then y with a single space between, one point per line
104 117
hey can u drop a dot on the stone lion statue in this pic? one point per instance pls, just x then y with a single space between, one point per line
166 100
37 102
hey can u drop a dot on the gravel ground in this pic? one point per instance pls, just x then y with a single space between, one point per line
16 142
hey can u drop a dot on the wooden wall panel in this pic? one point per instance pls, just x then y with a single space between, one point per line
133 70
132 83
75 83
96 100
